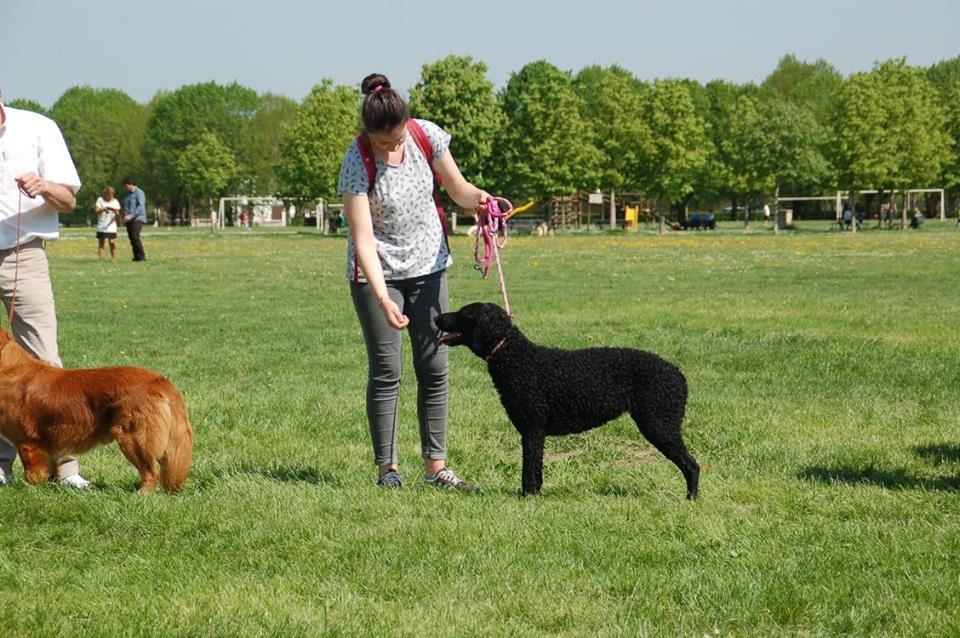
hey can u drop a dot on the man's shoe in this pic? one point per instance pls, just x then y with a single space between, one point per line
4 479
76 481
445 478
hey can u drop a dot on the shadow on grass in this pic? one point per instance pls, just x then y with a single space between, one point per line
278 473
936 455
939 454
888 479
204 480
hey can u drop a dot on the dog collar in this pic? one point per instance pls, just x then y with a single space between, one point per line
496 348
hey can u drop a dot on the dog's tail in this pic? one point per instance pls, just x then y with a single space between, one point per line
176 459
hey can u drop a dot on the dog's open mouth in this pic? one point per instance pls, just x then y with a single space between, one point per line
450 338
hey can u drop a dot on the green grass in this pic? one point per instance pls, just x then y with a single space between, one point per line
824 406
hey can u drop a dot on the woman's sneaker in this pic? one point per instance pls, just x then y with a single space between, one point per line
445 478
390 478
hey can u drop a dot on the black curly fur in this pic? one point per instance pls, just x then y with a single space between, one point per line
547 391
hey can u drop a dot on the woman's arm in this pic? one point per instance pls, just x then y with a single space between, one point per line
356 208
460 190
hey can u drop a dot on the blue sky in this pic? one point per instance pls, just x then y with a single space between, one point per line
287 46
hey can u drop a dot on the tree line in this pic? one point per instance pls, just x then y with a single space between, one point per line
805 129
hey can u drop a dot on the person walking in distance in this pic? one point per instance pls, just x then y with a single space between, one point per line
134 216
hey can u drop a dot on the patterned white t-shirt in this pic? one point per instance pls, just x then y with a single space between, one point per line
107 219
406 228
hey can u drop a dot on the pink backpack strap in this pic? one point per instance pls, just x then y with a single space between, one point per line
423 143
369 163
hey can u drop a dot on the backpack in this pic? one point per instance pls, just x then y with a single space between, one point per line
370 164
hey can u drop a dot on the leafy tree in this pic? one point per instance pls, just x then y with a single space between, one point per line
313 147
945 75
796 140
180 118
891 129
206 168
698 95
720 177
27 105
815 86
546 147
456 94
951 168
268 125
612 102
741 153
104 129
680 148
770 144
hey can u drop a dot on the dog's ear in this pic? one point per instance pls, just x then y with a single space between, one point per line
490 325
496 317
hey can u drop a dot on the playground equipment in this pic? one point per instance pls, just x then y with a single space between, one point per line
578 211
521 209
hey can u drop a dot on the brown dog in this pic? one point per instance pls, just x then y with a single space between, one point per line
48 412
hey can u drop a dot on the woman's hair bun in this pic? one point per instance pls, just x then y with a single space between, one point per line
383 108
372 81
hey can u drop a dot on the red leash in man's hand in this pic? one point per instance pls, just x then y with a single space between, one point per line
492 226
16 266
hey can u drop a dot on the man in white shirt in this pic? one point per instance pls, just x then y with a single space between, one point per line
37 180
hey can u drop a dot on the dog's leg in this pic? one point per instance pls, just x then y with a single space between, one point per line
148 480
532 479
691 471
666 438
140 458
37 464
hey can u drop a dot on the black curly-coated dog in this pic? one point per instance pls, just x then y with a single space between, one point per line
547 391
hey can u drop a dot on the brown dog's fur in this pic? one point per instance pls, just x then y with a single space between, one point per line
47 413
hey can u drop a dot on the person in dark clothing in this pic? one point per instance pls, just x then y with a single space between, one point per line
135 216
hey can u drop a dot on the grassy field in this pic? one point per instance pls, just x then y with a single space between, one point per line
824 409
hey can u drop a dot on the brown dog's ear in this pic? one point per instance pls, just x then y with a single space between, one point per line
4 337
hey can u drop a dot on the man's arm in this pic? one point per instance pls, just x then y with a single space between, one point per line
57 195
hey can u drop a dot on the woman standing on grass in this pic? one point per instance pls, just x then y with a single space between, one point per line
397 256
107 209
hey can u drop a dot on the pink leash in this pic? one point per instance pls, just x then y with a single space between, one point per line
492 225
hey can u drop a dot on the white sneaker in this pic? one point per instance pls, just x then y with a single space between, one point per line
445 478
3 480
76 481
